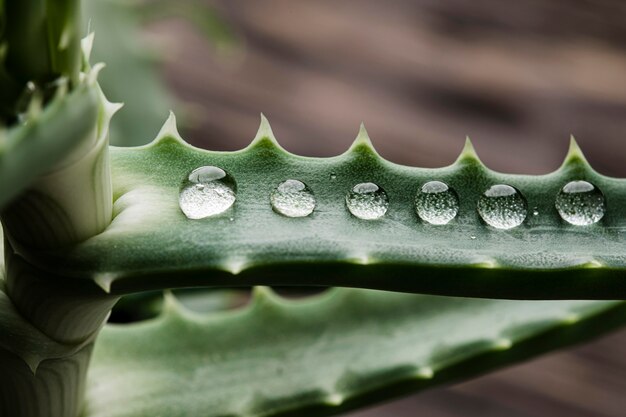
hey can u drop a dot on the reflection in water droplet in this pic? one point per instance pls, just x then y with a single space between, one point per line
436 203
367 201
580 203
207 191
502 207
292 198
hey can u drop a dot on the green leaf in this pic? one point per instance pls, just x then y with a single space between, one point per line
197 12
131 76
323 355
39 44
151 244
32 149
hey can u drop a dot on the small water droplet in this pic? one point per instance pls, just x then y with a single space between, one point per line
207 191
535 212
333 176
292 198
502 207
367 201
580 203
473 237
436 203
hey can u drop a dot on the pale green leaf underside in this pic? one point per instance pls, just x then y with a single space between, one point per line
320 356
151 244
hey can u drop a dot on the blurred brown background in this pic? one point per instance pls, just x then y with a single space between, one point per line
517 77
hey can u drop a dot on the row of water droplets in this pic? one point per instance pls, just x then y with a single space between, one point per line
209 191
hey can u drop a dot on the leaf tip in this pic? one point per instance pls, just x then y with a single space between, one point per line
362 142
264 296
171 305
265 135
104 281
32 361
468 153
92 76
571 318
235 266
86 45
502 343
169 130
334 399
574 154
424 372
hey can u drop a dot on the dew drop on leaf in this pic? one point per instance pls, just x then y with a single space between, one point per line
207 191
292 198
580 203
502 207
367 201
436 203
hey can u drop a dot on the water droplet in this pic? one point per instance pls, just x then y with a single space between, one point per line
333 176
436 203
473 237
502 207
535 212
367 201
207 191
580 203
292 198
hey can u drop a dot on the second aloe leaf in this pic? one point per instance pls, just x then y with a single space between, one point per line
322 356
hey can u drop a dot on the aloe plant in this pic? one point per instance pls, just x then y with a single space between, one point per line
86 224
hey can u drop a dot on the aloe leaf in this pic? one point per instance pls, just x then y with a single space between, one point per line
322 355
132 74
30 150
151 244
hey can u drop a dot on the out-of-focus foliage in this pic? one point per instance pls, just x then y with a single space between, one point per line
132 74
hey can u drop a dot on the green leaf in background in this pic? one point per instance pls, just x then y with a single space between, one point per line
151 244
323 355
39 44
197 12
131 75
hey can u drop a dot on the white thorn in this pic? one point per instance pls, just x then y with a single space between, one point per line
503 344
425 372
92 77
169 128
334 399
235 266
571 318
104 281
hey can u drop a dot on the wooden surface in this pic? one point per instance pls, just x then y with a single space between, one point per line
517 77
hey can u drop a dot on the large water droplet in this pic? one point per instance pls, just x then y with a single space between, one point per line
207 191
367 201
292 198
502 207
436 203
580 203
